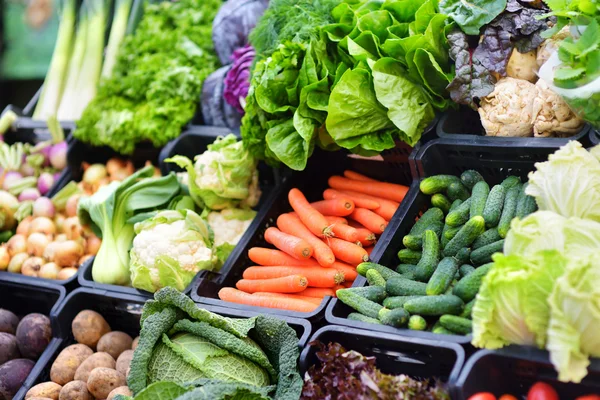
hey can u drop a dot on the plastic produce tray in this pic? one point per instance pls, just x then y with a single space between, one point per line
442 156
464 124
414 357
312 181
514 370
122 312
594 137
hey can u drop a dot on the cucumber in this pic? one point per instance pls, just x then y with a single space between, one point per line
458 191
470 177
487 237
373 293
511 181
442 277
457 324
417 323
463 255
430 257
468 309
451 287
465 270
468 286
435 305
397 301
397 317
406 268
508 212
493 206
429 216
375 279
405 287
455 204
481 190
451 232
363 318
407 256
443 240
440 330
359 303
437 184
483 255
466 236
409 275
440 201
460 214
415 242
526 204
385 272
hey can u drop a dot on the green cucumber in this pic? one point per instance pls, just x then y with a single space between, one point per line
481 190
409 275
408 256
460 214
397 301
468 286
397 317
457 324
375 279
470 177
417 323
468 309
440 201
455 204
487 237
526 204
359 303
385 272
466 236
435 305
451 232
406 268
415 242
429 216
373 293
463 255
458 191
442 277
483 255
430 257
440 330
508 212
511 181
465 270
405 287
493 206
437 184
363 318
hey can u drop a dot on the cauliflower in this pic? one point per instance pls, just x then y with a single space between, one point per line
522 66
554 118
228 227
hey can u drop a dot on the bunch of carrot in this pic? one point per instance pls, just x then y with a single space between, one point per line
318 245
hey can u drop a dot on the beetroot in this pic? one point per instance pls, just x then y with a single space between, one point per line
8 321
8 347
12 375
33 335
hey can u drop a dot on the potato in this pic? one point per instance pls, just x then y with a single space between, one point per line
39 398
76 390
124 390
12 375
8 347
114 343
50 390
8 321
96 360
66 364
123 361
33 335
135 343
88 327
102 381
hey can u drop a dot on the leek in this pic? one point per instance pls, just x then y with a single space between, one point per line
117 33
55 78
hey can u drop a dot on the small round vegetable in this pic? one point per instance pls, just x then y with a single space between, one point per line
29 194
49 271
45 182
17 244
71 206
59 221
88 327
66 273
36 244
135 343
23 227
12 375
542 391
16 262
33 335
8 321
58 155
64 367
32 266
92 245
96 360
123 361
72 228
83 259
114 343
8 347
67 254
43 225
483 396
43 207
102 381
4 258
122 390
76 390
48 390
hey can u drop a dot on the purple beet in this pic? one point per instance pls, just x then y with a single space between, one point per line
8 347
8 321
33 335
12 375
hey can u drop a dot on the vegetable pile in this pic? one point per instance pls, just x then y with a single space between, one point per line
22 342
538 391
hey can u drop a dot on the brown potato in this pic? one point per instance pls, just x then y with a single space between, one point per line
76 390
102 381
124 390
114 343
123 361
88 327
135 343
66 364
47 389
96 360
39 398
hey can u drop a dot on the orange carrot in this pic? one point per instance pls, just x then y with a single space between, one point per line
358 177
348 252
263 256
369 250
387 207
369 219
330 194
349 271
285 284
316 276
342 230
318 292
311 218
292 225
292 245
339 207
347 284
338 287
336 220
313 300
236 296
365 236
390 191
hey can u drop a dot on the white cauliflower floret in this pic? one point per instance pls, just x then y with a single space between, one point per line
183 177
227 230
207 175
554 118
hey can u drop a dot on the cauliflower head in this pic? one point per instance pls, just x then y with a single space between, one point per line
228 227
169 249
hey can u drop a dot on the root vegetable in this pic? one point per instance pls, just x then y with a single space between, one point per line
523 66
84 258
96 360
43 225
45 182
88 327
4 258
8 205
119 169
71 207
49 271
59 221
23 228
29 194
17 244
92 245
123 361
66 273
8 321
33 335
36 244
64 367
122 390
61 238
135 343
48 390
16 262
12 376
32 266
102 381
9 350
43 207
115 343
72 228
76 390
65 254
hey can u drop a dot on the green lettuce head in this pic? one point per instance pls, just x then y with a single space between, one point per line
169 249
224 176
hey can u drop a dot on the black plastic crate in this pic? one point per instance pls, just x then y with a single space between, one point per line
442 156
417 358
514 370
465 124
594 137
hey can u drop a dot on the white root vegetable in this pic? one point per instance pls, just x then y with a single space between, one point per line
523 66
37 243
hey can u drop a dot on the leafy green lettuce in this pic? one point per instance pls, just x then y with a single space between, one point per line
472 15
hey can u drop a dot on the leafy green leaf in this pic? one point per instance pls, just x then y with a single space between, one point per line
162 391
473 14
568 74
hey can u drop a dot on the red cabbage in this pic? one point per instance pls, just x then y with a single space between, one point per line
237 80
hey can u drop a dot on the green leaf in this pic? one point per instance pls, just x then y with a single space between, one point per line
568 74
162 391
166 366
471 15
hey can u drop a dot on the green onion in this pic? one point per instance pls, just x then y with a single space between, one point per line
117 33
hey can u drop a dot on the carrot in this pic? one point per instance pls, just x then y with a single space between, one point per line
295 247
316 276
339 207
386 209
313 219
349 271
336 220
347 284
369 250
263 256
292 225
358 177
313 300
284 284
236 296
342 230
330 194
373 222
348 252
390 191
318 292
338 287
365 237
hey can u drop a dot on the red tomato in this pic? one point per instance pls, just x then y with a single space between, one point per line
483 396
507 397
542 391
589 397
